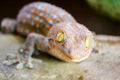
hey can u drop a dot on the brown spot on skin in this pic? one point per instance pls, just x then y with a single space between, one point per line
28 21
54 20
34 6
35 46
51 41
48 18
59 30
37 40
26 44
56 27
54 38
77 47
49 27
36 12
75 37
50 48
64 45
55 32
31 38
28 49
36 22
71 44
52 11
45 9
31 30
44 44
42 38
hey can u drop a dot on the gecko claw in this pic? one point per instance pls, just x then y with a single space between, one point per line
29 65
10 59
20 50
20 66
7 62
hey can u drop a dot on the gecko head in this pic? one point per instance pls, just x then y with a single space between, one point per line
70 42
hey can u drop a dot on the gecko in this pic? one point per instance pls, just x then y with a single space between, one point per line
50 29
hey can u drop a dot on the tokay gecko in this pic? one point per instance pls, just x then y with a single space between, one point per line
49 29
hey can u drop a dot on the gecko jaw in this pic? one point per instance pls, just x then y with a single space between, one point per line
63 56
60 55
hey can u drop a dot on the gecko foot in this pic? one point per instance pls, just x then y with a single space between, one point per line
26 64
10 59
7 62
20 65
29 65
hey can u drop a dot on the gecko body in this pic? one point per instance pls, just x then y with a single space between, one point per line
50 29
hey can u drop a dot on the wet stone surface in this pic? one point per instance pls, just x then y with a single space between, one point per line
101 65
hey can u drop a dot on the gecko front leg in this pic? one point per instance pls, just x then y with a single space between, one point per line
33 41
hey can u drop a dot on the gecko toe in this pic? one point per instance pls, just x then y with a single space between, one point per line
29 65
10 59
6 62
20 66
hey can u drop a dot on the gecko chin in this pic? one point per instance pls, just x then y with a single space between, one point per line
70 42
73 57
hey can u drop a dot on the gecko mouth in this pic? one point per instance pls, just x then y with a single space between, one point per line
63 56
73 56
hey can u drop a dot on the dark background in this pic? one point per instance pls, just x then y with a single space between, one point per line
82 12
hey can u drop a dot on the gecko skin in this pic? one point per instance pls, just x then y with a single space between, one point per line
50 29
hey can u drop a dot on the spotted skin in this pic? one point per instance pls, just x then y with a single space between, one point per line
53 30
40 17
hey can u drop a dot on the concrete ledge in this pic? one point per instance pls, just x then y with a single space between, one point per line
104 65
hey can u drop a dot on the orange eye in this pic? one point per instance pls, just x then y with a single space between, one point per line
87 42
60 37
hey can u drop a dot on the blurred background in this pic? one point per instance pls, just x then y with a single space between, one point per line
80 9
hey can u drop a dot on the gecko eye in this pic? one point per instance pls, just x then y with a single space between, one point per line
60 37
87 42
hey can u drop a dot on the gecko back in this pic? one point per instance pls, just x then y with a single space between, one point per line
37 17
